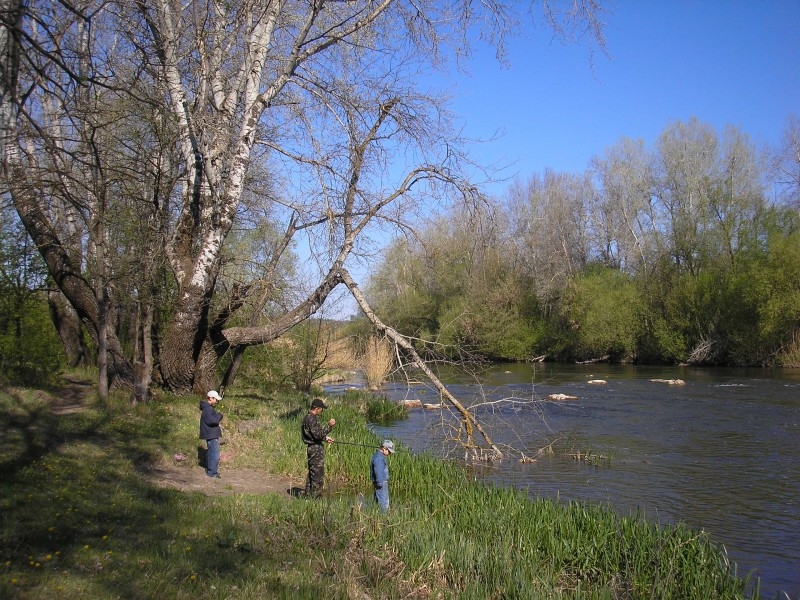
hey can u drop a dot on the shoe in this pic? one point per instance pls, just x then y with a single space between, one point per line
216 476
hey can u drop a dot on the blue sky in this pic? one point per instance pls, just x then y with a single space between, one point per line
556 106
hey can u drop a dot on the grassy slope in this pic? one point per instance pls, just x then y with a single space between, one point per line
79 520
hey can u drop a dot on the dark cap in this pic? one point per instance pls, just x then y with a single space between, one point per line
318 403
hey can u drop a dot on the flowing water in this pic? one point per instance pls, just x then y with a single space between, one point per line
720 453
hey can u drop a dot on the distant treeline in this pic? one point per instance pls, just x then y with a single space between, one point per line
686 252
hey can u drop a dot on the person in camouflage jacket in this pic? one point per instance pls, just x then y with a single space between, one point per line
314 435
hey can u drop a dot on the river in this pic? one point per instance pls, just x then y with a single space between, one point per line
720 452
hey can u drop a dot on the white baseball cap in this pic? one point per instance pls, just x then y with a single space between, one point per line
214 394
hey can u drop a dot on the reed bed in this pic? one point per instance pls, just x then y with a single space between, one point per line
377 361
339 354
789 356
487 539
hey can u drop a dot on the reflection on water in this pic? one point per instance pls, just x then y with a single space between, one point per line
720 453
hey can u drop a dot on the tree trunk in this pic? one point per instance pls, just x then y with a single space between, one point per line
143 354
184 341
102 348
205 376
233 368
68 326
68 278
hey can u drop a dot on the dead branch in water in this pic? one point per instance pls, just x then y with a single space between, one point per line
591 361
469 420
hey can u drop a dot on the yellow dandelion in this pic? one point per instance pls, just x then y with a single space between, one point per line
105 537
193 577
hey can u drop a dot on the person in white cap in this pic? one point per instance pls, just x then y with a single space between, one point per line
379 473
210 431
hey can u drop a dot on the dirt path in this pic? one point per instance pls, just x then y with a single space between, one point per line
192 478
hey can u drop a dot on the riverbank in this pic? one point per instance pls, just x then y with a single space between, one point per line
83 516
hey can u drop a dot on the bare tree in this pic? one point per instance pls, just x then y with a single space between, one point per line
708 192
787 160
622 225
551 227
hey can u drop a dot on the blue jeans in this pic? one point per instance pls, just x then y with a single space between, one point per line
212 457
382 496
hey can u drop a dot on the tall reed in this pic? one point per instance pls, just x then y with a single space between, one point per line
377 361
789 355
339 354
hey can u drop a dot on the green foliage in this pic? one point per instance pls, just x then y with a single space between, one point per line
662 342
772 288
457 291
398 293
741 313
263 367
603 308
383 411
294 361
30 351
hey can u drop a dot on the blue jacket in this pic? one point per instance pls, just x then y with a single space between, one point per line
379 468
209 422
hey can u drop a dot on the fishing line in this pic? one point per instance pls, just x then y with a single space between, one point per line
374 447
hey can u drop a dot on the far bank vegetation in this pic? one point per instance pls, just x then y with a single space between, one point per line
685 252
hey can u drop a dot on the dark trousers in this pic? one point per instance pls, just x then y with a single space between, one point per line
316 470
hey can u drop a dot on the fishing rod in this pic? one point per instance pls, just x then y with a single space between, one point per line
374 446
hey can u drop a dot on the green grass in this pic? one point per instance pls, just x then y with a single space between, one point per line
79 519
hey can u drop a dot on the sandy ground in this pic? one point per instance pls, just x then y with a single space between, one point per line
193 478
